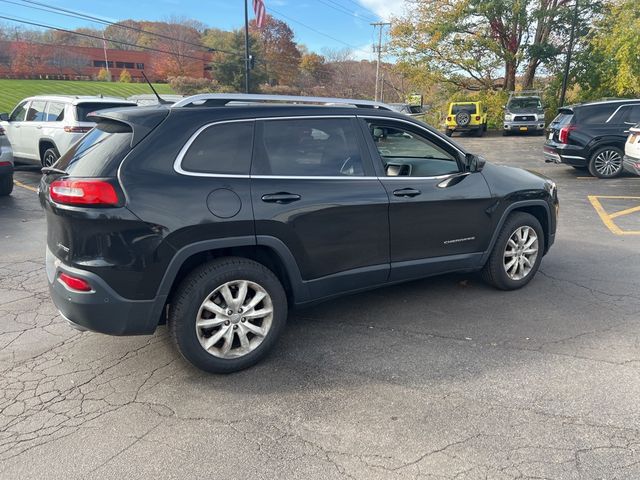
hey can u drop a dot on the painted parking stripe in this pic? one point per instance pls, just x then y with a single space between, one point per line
607 218
23 185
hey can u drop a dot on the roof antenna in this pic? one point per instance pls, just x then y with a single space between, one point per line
160 100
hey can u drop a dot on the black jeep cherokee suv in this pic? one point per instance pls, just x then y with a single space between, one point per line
592 136
220 217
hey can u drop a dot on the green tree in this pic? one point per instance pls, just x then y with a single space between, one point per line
228 67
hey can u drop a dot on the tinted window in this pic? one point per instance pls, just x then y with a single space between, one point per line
85 109
471 108
634 114
99 152
309 147
627 114
224 148
36 111
56 112
406 153
19 113
563 118
524 104
595 113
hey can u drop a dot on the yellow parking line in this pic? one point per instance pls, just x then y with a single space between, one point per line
607 218
624 212
28 187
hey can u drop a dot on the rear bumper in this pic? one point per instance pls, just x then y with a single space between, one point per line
6 155
631 164
568 155
102 309
467 128
513 126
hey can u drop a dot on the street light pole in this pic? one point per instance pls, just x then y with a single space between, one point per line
565 78
379 49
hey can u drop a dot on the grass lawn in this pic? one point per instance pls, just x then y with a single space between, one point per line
12 91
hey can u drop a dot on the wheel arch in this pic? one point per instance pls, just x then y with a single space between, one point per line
44 144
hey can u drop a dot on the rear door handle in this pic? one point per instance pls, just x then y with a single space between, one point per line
281 197
407 192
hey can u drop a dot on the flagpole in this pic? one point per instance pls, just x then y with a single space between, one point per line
246 48
104 47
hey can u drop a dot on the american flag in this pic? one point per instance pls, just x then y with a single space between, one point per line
260 11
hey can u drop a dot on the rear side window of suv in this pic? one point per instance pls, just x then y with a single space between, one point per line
308 147
224 148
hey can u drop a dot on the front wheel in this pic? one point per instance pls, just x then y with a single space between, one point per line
6 185
227 314
606 162
517 253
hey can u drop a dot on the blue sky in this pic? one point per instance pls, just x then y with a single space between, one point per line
345 21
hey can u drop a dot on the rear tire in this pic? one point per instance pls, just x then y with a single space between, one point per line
226 285
480 131
6 184
49 157
606 162
448 132
499 271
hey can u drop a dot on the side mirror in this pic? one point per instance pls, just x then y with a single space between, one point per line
4 117
474 163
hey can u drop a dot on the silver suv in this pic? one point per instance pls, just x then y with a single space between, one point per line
524 113
42 128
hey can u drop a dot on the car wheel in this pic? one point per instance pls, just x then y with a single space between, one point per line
448 132
6 185
227 314
606 162
516 254
480 131
50 157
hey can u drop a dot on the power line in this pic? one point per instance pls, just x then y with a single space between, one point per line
88 35
346 11
362 7
271 9
83 16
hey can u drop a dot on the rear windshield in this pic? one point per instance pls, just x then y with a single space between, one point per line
563 118
100 152
471 108
85 109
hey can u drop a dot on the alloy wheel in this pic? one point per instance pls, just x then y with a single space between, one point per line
234 319
608 163
520 253
49 159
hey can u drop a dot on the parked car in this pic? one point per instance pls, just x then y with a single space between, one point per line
220 218
407 109
524 113
592 135
43 127
631 160
6 165
466 117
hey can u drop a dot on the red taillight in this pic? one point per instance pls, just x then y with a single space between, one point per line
77 129
5 164
563 135
449 118
477 118
83 192
75 283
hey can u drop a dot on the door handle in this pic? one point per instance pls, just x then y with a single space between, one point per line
406 192
281 197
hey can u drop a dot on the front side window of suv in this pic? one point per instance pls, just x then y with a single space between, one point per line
406 153
36 111
309 147
19 113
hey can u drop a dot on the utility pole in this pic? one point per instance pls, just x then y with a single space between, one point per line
379 50
247 57
565 78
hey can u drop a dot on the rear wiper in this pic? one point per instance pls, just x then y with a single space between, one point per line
47 170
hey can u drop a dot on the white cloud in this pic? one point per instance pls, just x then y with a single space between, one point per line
385 8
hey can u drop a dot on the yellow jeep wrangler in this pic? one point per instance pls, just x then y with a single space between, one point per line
466 117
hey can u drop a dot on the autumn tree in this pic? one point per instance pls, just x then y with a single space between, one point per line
280 54
27 58
125 33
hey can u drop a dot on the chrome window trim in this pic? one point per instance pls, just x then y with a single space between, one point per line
621 106
177 164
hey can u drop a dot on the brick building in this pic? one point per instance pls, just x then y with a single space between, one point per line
64 62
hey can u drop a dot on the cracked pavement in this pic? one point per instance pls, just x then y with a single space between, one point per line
442 378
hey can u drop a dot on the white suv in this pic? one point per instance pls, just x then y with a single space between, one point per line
42 128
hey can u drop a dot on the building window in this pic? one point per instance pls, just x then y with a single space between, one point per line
124 65
102 64
140 66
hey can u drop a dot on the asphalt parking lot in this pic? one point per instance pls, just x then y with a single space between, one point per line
440 378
